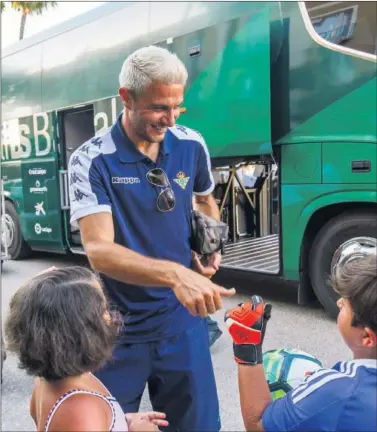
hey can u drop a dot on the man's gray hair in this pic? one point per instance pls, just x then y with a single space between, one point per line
151 65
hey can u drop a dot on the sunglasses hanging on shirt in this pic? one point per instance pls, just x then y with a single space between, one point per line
166 199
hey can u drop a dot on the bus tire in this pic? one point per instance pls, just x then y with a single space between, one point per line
346 226
17 248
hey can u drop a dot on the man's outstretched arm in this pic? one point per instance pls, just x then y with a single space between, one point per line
197 293
119 262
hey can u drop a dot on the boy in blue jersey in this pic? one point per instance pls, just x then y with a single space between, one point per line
343 398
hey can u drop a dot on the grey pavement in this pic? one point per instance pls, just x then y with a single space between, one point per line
291 326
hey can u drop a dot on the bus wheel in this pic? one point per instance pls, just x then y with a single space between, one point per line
338 238
12 235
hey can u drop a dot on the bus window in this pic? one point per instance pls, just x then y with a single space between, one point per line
350 24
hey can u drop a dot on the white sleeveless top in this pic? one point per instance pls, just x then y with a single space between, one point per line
119 422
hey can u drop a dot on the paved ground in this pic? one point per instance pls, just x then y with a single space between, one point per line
291 326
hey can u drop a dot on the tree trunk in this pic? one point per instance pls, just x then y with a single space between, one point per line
22 25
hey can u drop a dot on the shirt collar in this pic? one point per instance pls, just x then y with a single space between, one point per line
126 149
368 363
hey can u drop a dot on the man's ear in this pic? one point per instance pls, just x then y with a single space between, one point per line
126 97
369 338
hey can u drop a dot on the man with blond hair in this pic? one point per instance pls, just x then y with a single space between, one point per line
131 194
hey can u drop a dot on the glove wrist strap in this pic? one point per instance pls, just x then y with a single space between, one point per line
248 354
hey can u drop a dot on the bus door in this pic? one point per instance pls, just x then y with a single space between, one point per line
76 126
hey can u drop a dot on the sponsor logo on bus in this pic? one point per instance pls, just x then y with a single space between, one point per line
37 171
37 188
39 229
39 209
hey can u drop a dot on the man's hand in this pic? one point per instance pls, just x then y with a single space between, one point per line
247 325
147 421
197 293
208 269
215 260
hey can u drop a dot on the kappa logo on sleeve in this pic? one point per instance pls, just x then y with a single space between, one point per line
79 195
75 161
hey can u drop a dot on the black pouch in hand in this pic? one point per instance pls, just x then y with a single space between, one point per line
208 235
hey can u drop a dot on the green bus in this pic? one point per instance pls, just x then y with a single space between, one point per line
284 94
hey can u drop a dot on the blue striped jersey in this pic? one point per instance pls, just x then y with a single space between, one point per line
343 398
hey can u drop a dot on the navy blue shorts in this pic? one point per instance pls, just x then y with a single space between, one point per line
180 378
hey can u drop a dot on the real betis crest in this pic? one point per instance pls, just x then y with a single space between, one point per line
181 180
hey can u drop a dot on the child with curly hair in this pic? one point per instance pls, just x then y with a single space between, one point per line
60 327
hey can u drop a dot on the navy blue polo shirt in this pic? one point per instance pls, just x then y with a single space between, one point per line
108 174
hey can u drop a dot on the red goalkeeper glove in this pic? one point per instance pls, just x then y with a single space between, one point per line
247 325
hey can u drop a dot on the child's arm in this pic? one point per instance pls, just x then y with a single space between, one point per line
254 395
247 325
320 403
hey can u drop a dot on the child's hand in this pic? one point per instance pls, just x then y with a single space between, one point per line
247 325
145 422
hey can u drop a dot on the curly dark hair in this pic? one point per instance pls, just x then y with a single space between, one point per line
56 325
357 282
